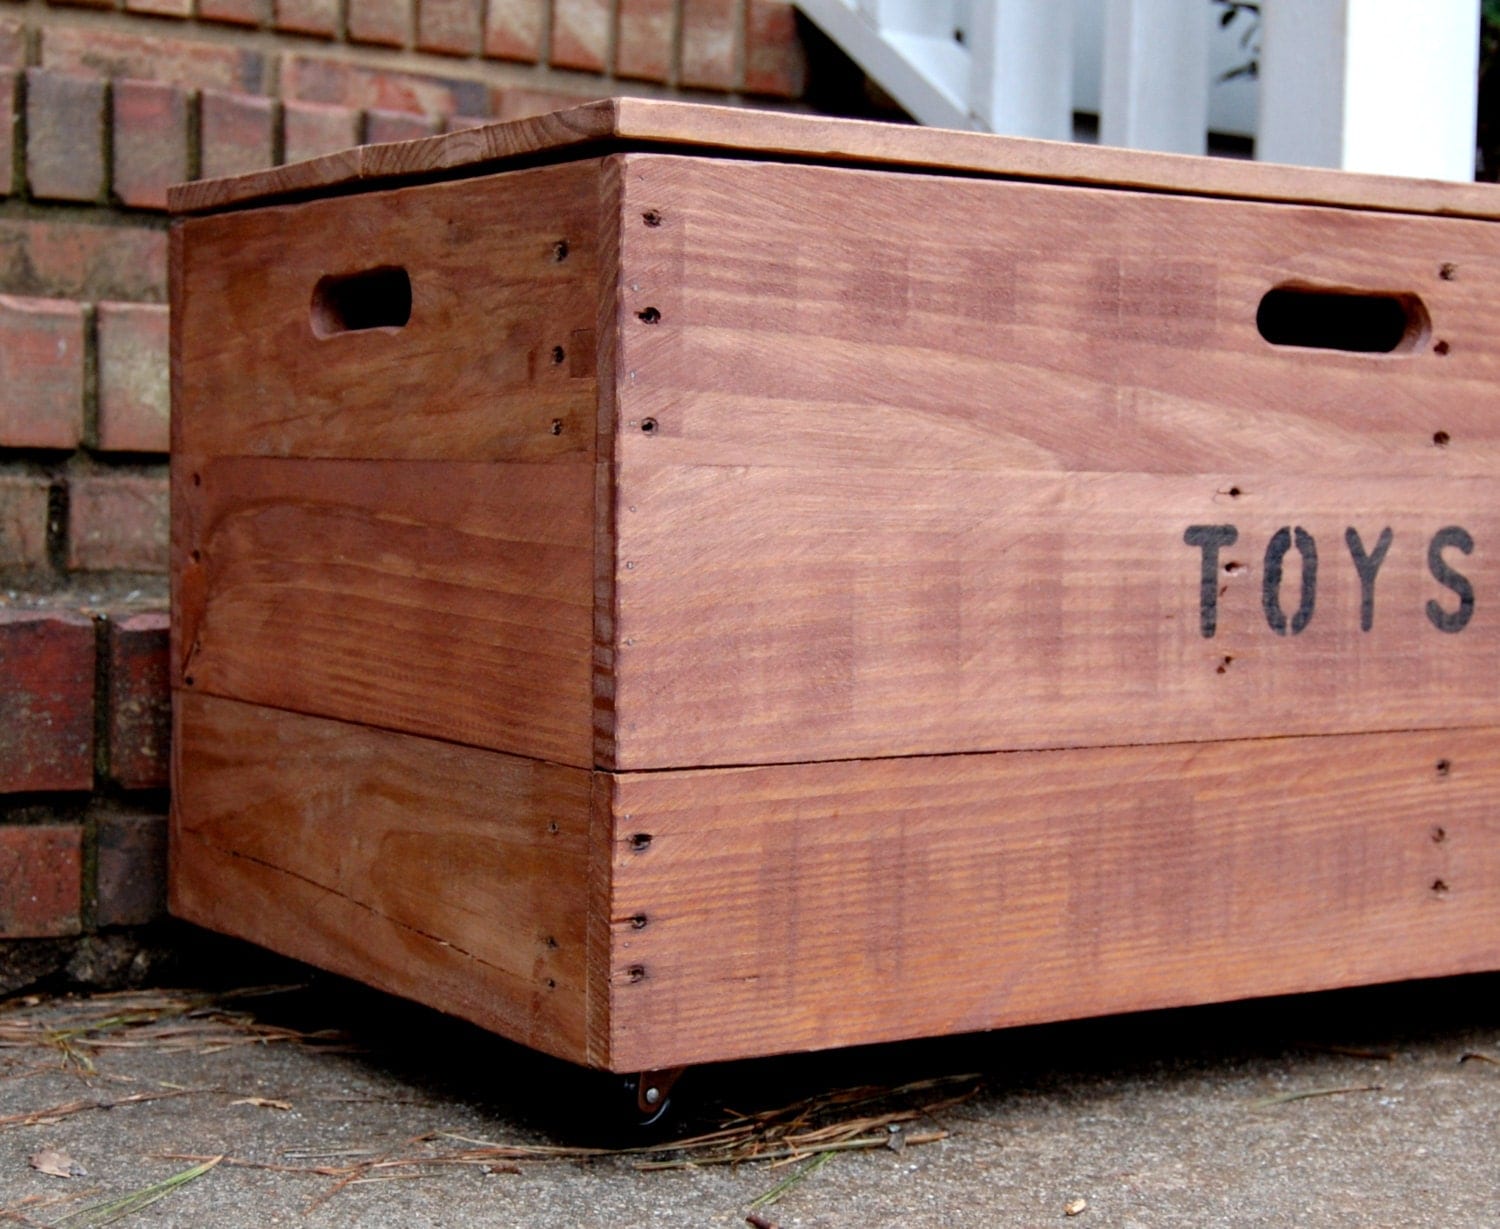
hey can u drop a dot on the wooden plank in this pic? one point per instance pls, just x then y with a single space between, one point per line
638 123
445 874
496 361
908 466
448 599
807 906
491 145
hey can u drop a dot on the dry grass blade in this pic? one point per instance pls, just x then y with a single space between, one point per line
1283 1098
111 1210
767 1198
54 1113
164 1021
1378 1056
821 1126
1474 1056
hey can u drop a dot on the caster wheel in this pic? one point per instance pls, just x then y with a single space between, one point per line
650 1094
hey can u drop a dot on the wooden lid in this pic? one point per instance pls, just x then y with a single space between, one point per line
622 124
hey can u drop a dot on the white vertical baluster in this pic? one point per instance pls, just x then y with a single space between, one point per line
1370 85
1155 86
1021 75
910 16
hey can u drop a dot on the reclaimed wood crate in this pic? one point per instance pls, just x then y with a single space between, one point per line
674 584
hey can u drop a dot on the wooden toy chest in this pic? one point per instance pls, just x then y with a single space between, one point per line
673 584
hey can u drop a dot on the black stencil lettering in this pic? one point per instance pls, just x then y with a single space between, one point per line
1455 620
1367 566
1276 549
1210 538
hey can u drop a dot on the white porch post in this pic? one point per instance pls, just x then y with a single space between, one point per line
1155 84
933 18
1370 85
1021 68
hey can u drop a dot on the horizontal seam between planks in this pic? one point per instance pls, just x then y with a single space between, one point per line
383 729
358 904
847 759
981 753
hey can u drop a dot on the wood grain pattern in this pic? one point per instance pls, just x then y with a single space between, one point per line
884 470
639 123
439 598
922 454
497 359
807 906
442 873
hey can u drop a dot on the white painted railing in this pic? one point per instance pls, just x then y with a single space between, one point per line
1371 85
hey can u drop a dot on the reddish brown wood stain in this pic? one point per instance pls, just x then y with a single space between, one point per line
757 604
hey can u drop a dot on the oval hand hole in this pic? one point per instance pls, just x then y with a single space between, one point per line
354 302
1342 320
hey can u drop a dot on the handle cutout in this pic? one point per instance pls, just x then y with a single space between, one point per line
353 302
1357 322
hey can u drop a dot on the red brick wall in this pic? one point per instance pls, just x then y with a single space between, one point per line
103 103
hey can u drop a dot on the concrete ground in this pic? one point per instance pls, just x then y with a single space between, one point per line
1351 1109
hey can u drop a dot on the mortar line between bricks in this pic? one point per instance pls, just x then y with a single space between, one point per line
194 134
58 515
81 213
272 45
107 145
612 41
674 62
20 183
544 43
741 56
91 382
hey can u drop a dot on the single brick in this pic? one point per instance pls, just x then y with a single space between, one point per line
648 30
341 83
51 258
450 27
237 133
310 129
139 719
382 126
47 703
514 102
131 888
41 880
161 8
150 146
234 12
513 30
775 59
319 18
580 34
115 53
9 78
64 135
710 38
12 44
41 373
134 377
23 520
117 522
386 23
